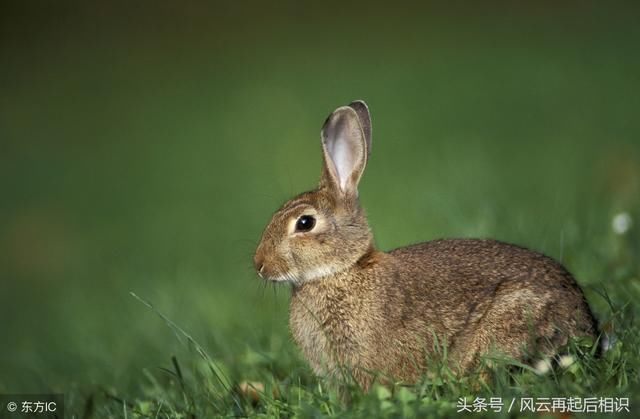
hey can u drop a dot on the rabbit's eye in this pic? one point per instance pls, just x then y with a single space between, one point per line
305 223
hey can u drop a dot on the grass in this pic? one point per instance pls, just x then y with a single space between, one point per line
206 389
144 148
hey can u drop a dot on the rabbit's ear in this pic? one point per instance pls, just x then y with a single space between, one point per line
345 151
364 117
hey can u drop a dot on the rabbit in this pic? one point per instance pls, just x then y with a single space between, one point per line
383 314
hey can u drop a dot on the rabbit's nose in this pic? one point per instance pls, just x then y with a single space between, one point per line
258 263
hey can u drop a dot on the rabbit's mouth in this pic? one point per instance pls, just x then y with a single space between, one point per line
298 278
270 270
288 277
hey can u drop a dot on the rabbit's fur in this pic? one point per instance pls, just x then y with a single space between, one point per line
384 312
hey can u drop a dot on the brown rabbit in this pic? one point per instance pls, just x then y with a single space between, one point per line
382 312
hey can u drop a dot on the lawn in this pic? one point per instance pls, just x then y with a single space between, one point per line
144 148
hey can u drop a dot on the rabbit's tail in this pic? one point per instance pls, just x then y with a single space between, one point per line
607 341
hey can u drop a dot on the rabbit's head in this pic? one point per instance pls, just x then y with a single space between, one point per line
323 231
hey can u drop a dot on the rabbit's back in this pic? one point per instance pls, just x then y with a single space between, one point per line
470 270
473 268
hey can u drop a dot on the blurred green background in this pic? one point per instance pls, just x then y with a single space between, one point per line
144 146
